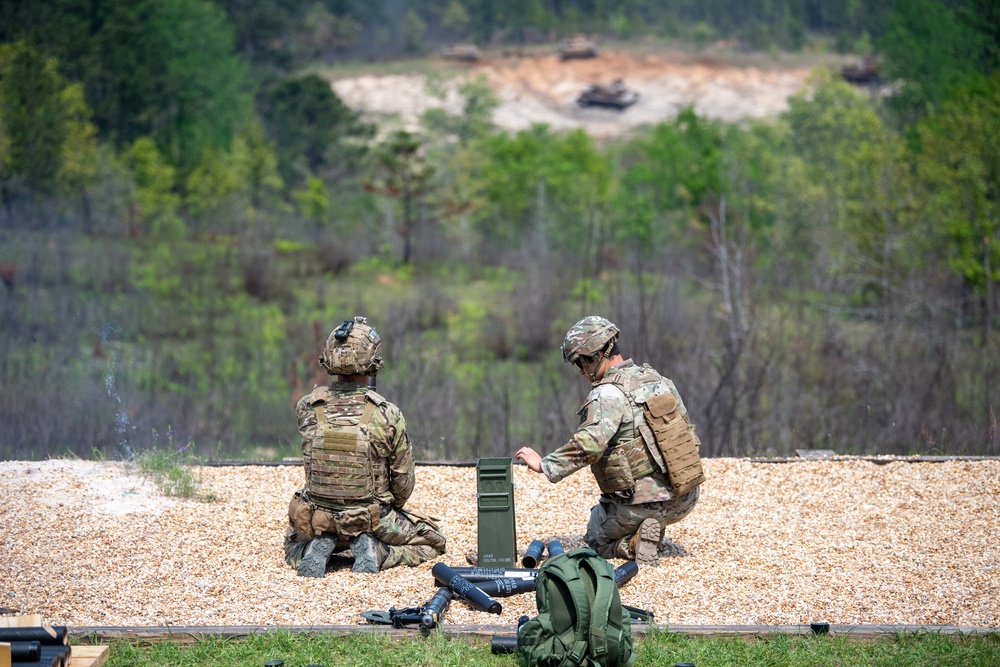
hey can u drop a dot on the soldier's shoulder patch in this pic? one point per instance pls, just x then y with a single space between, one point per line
607 393
588 413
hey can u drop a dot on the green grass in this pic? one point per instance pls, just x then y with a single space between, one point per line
169 467
655 648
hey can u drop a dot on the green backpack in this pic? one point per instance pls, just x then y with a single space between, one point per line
580 616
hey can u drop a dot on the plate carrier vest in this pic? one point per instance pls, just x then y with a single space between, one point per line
664 444
343 469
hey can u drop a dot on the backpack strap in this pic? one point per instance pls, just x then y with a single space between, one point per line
600 609
563 569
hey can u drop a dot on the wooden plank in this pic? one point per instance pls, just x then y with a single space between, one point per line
88 656
880 460
4 654
191 634
25 621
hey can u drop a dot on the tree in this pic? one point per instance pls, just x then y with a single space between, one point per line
159 68
476 119
261 26
48 142
549 188
932 47
401 172
313 131
156 202
960 163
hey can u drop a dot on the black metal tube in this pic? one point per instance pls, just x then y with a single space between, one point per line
532 554
476 574
24 651
504 588
53 655
625 572
466 589
555 548
502 644
43 634
433 611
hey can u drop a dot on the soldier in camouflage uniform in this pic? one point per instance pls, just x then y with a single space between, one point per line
638 500
359 469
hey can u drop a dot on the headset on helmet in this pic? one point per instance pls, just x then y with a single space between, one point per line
351 349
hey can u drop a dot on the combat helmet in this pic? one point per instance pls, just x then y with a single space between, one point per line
588 337
350 349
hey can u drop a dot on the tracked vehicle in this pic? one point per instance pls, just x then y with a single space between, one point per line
614 95
577 47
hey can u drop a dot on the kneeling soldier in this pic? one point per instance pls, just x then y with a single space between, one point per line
635 435
359 469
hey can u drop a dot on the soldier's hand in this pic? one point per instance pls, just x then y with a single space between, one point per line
530 457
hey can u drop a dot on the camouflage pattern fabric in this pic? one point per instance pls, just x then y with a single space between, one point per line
587 337
612 522
387 438
411 540
351 349
607 418
411 537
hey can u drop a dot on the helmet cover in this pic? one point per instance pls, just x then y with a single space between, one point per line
350 349
588 337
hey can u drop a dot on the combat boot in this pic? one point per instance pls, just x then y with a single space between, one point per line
646 542
316 555
369 554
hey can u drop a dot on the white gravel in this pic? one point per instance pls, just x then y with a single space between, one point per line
848 542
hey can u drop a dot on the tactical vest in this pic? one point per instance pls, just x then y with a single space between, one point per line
658 441
343 468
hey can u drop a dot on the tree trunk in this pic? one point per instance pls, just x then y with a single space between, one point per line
988 273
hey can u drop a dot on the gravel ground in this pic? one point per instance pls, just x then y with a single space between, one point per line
848 542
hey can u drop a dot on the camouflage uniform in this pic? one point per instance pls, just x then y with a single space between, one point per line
412 538
610 418
409 536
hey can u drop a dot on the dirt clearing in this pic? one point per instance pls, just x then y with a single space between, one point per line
543 89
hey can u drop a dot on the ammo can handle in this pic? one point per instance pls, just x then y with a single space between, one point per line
505 496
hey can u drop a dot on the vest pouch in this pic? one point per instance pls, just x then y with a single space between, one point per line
613 472
300 515
346 523
675 442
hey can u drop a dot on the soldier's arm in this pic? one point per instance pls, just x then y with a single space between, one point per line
402 475
302 416
600 418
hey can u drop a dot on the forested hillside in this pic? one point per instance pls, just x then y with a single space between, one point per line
187 209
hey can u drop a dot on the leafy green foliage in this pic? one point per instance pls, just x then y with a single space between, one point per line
156 201
401 171
314 132
539 184
47 143
168 466
960 162
479 102
933 47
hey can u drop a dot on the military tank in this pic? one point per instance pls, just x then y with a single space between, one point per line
469 53
864 73
577 47
614 95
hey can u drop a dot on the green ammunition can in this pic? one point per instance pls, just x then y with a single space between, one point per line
495 500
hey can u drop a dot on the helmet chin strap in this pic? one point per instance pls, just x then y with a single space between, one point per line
602 357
